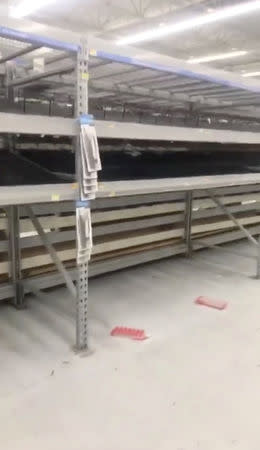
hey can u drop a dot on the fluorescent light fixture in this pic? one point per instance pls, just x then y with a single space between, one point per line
196 22
27 7
251 74
220 56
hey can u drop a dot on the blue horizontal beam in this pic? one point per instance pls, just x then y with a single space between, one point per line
189 73
34 39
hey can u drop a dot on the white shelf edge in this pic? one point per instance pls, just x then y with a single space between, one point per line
126 130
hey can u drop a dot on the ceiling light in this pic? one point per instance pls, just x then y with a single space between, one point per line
209 58
26 7
217 15
251 74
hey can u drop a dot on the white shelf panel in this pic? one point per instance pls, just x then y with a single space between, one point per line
124 130
138 187
38 125
21 195
46 193
34 124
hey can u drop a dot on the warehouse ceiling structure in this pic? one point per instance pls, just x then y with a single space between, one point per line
113 19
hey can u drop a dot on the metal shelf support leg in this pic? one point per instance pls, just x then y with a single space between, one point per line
82 285
15 255
258 260
188 223
82 308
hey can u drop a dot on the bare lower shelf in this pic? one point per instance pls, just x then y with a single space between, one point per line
55 279
21 195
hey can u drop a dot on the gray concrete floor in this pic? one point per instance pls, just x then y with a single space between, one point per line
194 385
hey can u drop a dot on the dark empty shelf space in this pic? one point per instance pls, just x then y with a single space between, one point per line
19 171
125 161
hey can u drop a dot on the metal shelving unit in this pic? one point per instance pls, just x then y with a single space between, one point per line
124 89
160 88
12 197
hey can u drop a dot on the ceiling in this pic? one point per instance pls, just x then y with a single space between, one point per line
111 19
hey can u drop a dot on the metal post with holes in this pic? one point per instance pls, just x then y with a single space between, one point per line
82 285
258 260
188 223
15 255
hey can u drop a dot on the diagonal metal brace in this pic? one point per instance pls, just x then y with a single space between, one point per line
60 266
232 217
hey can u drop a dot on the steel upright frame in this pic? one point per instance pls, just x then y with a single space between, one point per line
81 110
13 214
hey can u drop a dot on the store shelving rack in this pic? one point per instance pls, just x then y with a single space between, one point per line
13 197
221 90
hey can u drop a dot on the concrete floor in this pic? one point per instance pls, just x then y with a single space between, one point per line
194 385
